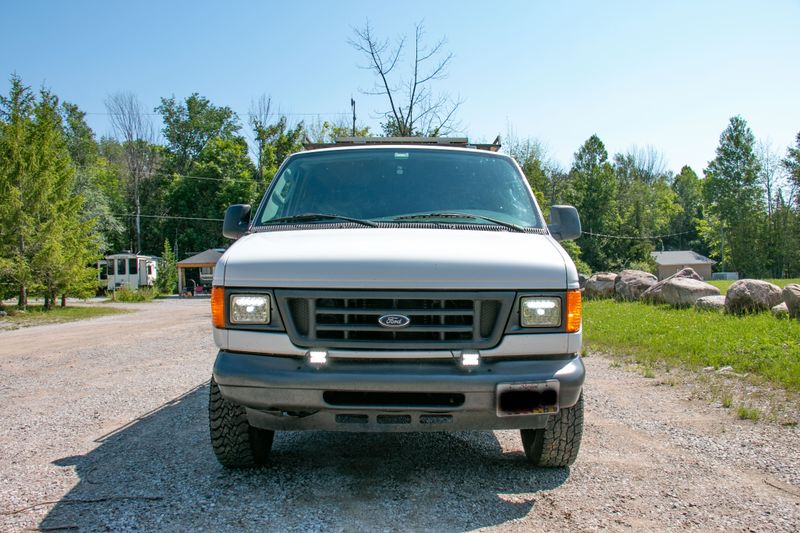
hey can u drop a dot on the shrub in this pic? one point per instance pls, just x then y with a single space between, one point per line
144 294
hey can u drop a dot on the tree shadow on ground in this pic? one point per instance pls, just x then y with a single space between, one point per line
159 473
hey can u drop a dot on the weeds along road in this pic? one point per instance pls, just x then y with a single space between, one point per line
104 424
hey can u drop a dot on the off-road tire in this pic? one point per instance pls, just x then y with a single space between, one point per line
236 443
558 443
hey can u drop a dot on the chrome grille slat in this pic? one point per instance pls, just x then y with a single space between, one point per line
378 312
370 327
438 319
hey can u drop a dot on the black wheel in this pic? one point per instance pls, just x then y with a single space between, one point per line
236 443
558 443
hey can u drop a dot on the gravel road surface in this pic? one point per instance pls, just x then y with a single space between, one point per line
104 427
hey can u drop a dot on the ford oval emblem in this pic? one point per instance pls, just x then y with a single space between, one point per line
394 321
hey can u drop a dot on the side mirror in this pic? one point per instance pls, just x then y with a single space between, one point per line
565 223
237 220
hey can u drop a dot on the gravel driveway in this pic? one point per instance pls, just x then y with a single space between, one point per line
104 424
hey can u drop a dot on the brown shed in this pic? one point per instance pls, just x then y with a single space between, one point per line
671 262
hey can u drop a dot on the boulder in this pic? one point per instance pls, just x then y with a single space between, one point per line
630 284
710 303
791 295
581 280
751 296
653 294
780 310
600 285
683 292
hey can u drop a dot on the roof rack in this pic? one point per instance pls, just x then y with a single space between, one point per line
460 142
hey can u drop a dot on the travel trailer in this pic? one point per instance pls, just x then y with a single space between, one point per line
128 270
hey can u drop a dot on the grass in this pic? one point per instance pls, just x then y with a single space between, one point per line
654 335
723 285
36 315
748 413
727 399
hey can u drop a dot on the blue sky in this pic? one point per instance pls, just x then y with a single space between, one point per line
636 73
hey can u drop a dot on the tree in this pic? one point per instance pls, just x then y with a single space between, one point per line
530 156
222 175
167 280
275 139
47 245
735 198
135 132
688 190
792 165
327 131
17 189
414 109
190 125
645 201
95 181
594 194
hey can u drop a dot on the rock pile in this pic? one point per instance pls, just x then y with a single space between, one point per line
686 288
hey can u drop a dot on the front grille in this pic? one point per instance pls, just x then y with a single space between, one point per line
437 320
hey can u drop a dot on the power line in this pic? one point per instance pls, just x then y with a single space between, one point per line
204 178
625 237
169 216
323 113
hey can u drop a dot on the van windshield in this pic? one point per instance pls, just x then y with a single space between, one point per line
384 185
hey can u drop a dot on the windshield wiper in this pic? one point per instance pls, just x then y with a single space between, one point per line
448 214
309 217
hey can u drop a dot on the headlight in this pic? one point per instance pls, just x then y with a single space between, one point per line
250 309
540 312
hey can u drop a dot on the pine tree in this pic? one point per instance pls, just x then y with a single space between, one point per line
48 248
17 189
167 270
735 199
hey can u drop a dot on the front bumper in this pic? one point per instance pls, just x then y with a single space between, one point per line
286 393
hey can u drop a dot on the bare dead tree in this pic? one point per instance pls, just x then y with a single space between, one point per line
414 109
135 131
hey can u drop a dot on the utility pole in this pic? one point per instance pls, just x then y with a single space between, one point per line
353 105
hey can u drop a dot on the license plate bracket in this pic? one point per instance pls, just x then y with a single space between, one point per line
529 398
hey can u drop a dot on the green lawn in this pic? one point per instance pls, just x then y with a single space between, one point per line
36 315
723 285
756 344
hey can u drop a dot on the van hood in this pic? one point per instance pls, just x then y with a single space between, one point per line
396 258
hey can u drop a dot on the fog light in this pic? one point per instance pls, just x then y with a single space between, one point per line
317 357
470 358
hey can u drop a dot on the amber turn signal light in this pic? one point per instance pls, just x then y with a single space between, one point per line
573 311
218 307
